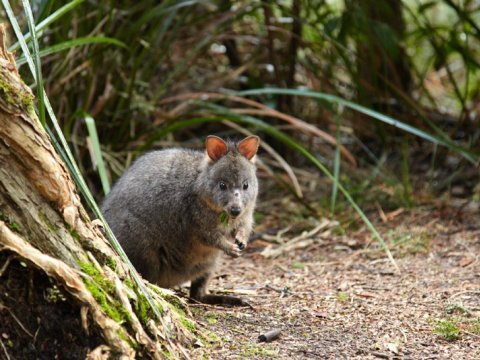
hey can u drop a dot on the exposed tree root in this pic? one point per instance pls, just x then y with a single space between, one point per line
43 223
73 283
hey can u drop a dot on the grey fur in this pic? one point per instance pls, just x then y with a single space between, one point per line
166 212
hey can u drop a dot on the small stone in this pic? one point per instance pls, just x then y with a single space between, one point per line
344 286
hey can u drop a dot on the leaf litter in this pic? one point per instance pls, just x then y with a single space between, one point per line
347 302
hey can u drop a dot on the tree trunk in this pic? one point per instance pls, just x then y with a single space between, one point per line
64 293
382 68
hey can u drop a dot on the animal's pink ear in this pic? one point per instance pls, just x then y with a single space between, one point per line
216 147
248 147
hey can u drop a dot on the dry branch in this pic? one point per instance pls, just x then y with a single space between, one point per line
298 242
270 335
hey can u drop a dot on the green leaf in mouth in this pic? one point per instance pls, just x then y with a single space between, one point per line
224 218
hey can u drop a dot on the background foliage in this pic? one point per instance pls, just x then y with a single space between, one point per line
155 73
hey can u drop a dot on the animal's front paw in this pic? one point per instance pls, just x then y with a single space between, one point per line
240 244
241 239
233 250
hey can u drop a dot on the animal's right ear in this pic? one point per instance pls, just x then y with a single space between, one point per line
248 147
216 147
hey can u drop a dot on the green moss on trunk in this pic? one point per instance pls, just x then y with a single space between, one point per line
103 291
15 96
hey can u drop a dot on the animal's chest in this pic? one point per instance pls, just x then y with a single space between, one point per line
206 251
201 253
195 261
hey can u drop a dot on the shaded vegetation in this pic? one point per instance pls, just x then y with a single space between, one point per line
128 78
133 66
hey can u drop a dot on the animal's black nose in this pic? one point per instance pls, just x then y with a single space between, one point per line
235 211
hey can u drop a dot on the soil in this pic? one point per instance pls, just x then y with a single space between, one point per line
336 296
39 321
341 298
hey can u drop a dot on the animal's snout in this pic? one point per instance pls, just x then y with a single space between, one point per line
235 211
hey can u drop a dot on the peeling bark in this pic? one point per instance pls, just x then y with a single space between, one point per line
37 195
43 222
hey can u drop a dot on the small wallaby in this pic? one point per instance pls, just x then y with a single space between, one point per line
174 211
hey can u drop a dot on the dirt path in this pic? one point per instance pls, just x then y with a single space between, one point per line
339 297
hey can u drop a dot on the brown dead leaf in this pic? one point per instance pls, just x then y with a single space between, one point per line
467 260
366 294
320 314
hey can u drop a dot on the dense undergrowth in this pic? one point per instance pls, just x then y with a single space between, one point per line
378 96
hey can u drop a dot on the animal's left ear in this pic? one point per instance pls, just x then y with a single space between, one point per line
216 147
248 147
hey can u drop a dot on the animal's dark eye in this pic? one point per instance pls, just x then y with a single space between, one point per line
245 185
223 186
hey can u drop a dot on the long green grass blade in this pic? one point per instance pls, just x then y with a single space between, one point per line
97 152
38 64
164 8
47 21
473 158
90 40
44 7
336 164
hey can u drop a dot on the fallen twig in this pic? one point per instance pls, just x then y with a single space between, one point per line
270 335
283 292
464 292
277 238
472 334
381 355
3 307
300 241
5 266
4 349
